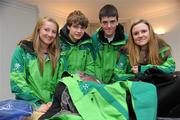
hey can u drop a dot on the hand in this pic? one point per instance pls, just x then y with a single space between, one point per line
44 107
134 69
49 104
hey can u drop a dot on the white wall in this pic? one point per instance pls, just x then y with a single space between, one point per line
173 38
17 20
0 49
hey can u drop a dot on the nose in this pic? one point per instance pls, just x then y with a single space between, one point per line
109 24
79 29
50 34
140 34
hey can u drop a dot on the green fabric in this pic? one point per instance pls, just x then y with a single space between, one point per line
93 100
168 66
82 102
26 80
78 57
96 101
107 56
123 69
145 100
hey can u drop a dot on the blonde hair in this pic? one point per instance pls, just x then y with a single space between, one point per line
53 50
154 45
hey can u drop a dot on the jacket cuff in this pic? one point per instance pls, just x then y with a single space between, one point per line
139 68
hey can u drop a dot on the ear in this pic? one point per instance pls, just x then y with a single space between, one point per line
117 23
68 27
101 24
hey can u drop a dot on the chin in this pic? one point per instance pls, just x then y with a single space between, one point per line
77 38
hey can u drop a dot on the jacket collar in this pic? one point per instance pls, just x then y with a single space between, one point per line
65 37
27 45
119 35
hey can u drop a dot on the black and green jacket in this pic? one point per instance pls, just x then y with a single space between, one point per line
26 80
107 53
78 56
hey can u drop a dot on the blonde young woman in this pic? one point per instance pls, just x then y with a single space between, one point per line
34 65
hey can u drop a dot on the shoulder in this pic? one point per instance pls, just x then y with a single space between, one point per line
95 35
165 52
19 50
27 46
18 54
123 50
163 46
126 37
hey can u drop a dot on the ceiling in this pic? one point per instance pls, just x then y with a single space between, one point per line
128 9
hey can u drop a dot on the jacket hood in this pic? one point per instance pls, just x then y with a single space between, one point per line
119 34
64 32
27 45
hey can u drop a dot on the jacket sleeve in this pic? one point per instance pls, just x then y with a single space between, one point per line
18 78
61 67
168 66
122 70
90 63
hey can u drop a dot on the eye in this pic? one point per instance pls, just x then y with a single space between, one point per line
135 33
112 21
54 31
104 22
144 31
46 29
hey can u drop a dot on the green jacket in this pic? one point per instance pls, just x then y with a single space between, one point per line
96 101
26 80
123 68
107 53
78 56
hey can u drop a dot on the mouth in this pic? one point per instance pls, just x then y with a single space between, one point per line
141 39
78 35
49 39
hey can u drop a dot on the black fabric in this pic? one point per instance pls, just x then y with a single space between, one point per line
61 101
175 112
27 45
56 105
64 32
168 91
169 98
156 77
119 34
66 74
132 115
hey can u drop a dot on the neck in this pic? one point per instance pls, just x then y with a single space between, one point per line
144 47
109 36
44 48
72 39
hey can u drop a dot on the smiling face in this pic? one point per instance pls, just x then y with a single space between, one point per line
76 32
109 25
140 34
47 33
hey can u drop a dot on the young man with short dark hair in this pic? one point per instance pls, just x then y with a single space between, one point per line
107 41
